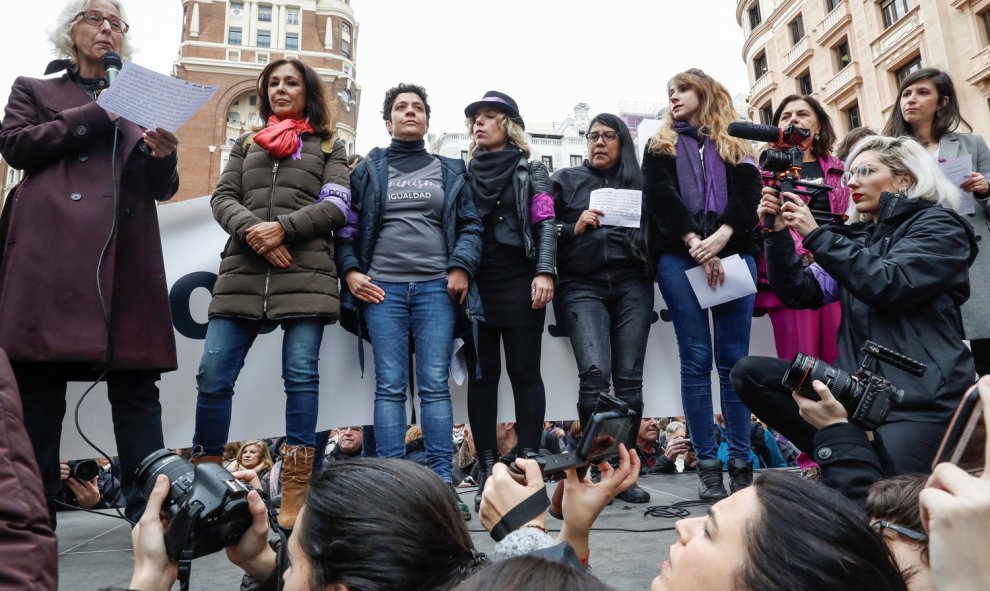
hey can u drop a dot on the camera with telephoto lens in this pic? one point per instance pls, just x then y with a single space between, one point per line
206 505
865 394
84 470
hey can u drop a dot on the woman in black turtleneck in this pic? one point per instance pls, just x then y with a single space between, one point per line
516 275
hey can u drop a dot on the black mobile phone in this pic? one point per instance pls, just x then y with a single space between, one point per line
965 441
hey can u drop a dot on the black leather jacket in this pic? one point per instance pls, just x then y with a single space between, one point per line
530 179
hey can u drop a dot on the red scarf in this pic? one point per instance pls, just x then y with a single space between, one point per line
281 138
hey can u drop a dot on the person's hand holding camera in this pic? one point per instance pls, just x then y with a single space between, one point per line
821 413
770 205
64 471
504 491
153 570
87 491
676 447
797 215
252 552
955 511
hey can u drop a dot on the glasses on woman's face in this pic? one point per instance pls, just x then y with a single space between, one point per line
860 172
608 136
95 18
907 533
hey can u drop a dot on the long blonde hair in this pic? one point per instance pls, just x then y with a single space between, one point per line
715 113
264 455
516 134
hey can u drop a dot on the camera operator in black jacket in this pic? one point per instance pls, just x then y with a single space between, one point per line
901 271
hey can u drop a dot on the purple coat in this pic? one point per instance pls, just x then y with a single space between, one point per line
61 215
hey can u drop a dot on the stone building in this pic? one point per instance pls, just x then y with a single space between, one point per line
851 54
228 43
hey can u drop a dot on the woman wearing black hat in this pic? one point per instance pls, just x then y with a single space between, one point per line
516 276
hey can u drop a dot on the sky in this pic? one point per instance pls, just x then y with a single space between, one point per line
548 55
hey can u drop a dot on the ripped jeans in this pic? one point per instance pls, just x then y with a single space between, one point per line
227 343
608 326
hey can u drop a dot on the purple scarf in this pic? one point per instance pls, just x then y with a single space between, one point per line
702 187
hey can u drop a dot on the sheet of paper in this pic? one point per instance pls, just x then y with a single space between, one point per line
958 170
622 207
154 100
738 283
458 362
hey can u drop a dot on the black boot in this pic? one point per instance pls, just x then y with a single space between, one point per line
740 474
711 487
634 494
487 460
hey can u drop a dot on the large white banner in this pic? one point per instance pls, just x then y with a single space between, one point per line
192 244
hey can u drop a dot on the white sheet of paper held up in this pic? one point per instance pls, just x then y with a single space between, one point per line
622 207
154 100
738 283
958 170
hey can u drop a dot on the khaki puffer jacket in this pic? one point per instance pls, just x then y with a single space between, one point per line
311 198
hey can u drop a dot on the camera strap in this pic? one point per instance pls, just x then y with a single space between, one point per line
535 504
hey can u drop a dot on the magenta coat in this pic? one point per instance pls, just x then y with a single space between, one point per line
61 216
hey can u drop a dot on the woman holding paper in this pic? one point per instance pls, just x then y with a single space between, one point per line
605 289
928 111
702 188
82 280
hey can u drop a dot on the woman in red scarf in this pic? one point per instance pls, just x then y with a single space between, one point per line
283 195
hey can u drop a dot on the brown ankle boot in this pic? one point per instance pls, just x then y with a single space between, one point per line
297 467
203 459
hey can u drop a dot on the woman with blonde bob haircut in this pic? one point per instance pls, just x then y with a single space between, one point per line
901 270
701 190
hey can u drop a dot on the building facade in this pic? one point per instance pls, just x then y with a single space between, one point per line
228 43
851 54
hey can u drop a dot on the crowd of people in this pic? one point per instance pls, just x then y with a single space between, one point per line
411 250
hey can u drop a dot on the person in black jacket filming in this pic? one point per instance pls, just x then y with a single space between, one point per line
901 270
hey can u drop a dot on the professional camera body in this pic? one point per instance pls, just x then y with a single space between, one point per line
207 506
83 470
866 395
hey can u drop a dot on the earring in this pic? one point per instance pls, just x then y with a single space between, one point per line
818 135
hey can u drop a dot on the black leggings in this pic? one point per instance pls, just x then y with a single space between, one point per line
523 346
904 447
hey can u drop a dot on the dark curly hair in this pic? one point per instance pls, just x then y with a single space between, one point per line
395 91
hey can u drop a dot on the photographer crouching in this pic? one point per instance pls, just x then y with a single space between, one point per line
901 270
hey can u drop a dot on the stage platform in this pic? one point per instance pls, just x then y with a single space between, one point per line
95 551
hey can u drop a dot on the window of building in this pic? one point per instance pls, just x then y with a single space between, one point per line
234 55
797 29
292 16
264 38
894 10
576 160
804 83
347 70
261 58
548 162
265 13
985 31
843 55
346 100
236 9
754 15
766 114
906 70
233 117
292 41
852 116
760 65
253 100
345 40
234 36
831 5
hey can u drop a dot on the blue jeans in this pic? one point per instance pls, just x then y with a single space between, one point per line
608 326
227 343
424 310
732 321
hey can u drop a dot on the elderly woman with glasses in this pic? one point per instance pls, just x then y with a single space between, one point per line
901 270
82 280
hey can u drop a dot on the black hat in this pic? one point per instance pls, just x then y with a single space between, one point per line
499 101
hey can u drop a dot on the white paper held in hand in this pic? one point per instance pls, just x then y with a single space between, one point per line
154 100
622 207
738 283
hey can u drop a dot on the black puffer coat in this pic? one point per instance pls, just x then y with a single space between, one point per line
255 188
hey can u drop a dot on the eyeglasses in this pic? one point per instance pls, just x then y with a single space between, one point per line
356 429
95 18
608 136
861 172
907 533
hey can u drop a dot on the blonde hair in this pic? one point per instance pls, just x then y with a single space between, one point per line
905 156
263 453
516 134
60 34
715 113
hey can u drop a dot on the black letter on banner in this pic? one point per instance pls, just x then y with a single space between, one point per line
179 300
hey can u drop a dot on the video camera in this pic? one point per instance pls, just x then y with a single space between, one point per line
784 158
866 395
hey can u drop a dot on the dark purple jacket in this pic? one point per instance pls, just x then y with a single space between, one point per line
61 216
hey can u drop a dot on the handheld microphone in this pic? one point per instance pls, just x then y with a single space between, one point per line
754 132
112 64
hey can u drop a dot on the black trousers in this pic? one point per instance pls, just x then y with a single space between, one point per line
523 347
904 447
136 415
981 355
